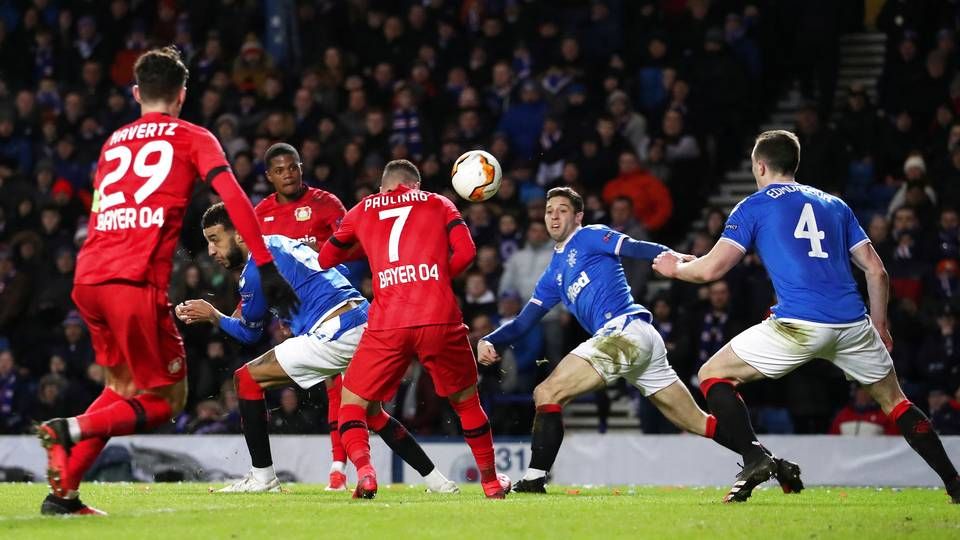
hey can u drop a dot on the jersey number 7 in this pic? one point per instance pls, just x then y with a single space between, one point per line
807 228
393 245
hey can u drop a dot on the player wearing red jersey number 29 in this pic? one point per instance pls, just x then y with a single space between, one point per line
416 242
310 215
144 178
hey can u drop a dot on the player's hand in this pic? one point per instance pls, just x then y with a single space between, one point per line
486 353
280 295
197 311
666 264
684 257
884 332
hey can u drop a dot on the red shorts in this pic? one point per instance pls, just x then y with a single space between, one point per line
383 356
131 324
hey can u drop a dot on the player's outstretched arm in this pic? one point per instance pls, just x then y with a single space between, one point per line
710 267
464 250
878 287
641 249
529 316
201 311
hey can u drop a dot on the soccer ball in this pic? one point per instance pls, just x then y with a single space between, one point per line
476 175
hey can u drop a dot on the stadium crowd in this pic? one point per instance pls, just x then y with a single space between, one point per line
639 105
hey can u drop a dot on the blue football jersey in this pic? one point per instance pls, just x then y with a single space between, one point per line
586 275
320 291
804 237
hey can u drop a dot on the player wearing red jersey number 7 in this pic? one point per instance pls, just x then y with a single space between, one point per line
144 178
416 243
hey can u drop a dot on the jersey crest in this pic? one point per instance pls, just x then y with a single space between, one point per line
303 213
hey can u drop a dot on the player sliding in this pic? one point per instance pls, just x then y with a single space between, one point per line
144 178
416 242
587 276
310 215
326 331
806 239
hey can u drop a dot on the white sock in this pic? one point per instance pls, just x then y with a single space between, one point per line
73 425
534 474
435 480
264 475
338 466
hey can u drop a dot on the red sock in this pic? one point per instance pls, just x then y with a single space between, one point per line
378 421
135 415
476 431
353 433
333 412
85 452
247 388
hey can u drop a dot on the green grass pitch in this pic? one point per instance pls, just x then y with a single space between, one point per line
187 511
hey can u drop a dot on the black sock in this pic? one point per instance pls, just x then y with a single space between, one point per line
253 415
547 438
918 432
406 446
733 421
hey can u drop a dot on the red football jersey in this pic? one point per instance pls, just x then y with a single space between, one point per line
143 181
311 218
405 236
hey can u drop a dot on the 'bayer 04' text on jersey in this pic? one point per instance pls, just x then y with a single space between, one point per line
143 181
321 291
587 276
805 238
405 234
310 219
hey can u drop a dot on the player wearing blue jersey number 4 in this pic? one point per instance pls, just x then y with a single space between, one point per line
326 331
586 275
806 239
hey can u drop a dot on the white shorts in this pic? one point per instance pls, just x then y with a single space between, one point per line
776 347
314 357
629 347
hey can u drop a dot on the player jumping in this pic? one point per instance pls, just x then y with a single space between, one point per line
416 242
310 215
586 274
806 239
144 178
326 331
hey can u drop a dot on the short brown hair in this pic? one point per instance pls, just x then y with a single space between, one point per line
160 74
404 168
575 199
779 149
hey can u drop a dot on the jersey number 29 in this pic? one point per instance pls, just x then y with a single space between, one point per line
807 229
155 173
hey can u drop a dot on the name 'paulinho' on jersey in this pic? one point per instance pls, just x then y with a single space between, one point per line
805 238
320 291
587 276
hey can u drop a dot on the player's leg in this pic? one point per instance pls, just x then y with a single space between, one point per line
916 429
403 443
338 477
374 373
862 355
445 353
250 380
136 340
572 377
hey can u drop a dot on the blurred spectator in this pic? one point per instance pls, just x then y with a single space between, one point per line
13 396
290 418
862 416
637 271
652 204
944 412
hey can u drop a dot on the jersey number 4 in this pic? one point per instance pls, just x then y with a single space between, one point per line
393 244
155 173
807 229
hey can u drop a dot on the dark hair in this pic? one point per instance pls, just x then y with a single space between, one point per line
216 215
575 199
623 198
160 74
280 149
780 149
403 167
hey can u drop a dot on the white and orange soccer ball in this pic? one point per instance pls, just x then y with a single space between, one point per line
476 175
